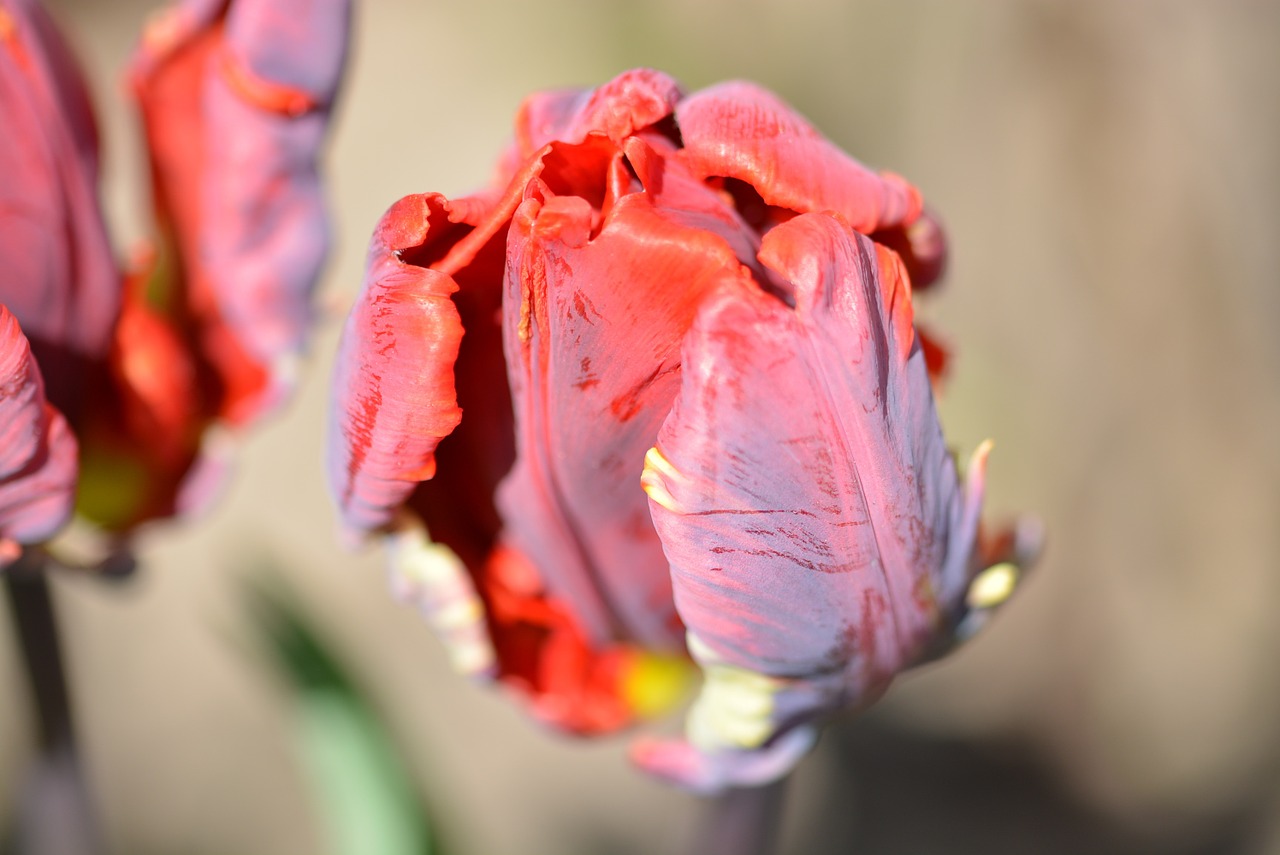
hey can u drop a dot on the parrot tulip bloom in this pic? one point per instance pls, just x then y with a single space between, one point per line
659 390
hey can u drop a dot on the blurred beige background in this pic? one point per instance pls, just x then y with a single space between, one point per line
1110 176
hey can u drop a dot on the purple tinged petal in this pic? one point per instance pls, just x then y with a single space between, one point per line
267 107
236 97
801 486
296 44
37 449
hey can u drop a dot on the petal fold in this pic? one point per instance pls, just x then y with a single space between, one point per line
739 130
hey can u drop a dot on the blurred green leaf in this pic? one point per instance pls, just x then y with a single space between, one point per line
362 792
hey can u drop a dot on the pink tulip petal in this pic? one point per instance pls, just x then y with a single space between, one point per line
593 328
803 491
738 130
394 385
37 449
295 45
57 273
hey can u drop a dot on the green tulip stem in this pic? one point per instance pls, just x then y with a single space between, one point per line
742 822
54 815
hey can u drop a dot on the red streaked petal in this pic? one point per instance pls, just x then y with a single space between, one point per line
37 450
394 383
738 130
169 73
593 328
801 486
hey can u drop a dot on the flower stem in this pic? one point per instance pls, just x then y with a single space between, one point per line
54 814
742 822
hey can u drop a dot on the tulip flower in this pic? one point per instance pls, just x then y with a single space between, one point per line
202 335
236 98
657 394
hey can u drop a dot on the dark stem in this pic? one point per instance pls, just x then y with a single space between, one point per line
54 815
742 822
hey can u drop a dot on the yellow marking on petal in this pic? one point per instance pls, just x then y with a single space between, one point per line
654 683
654 459
653 480
7 27
980 454
735 708
992 586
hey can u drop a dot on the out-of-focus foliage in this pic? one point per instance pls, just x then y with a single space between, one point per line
365 802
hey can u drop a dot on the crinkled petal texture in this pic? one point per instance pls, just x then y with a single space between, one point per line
57 274
236 99
395 394
37 450
801 487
